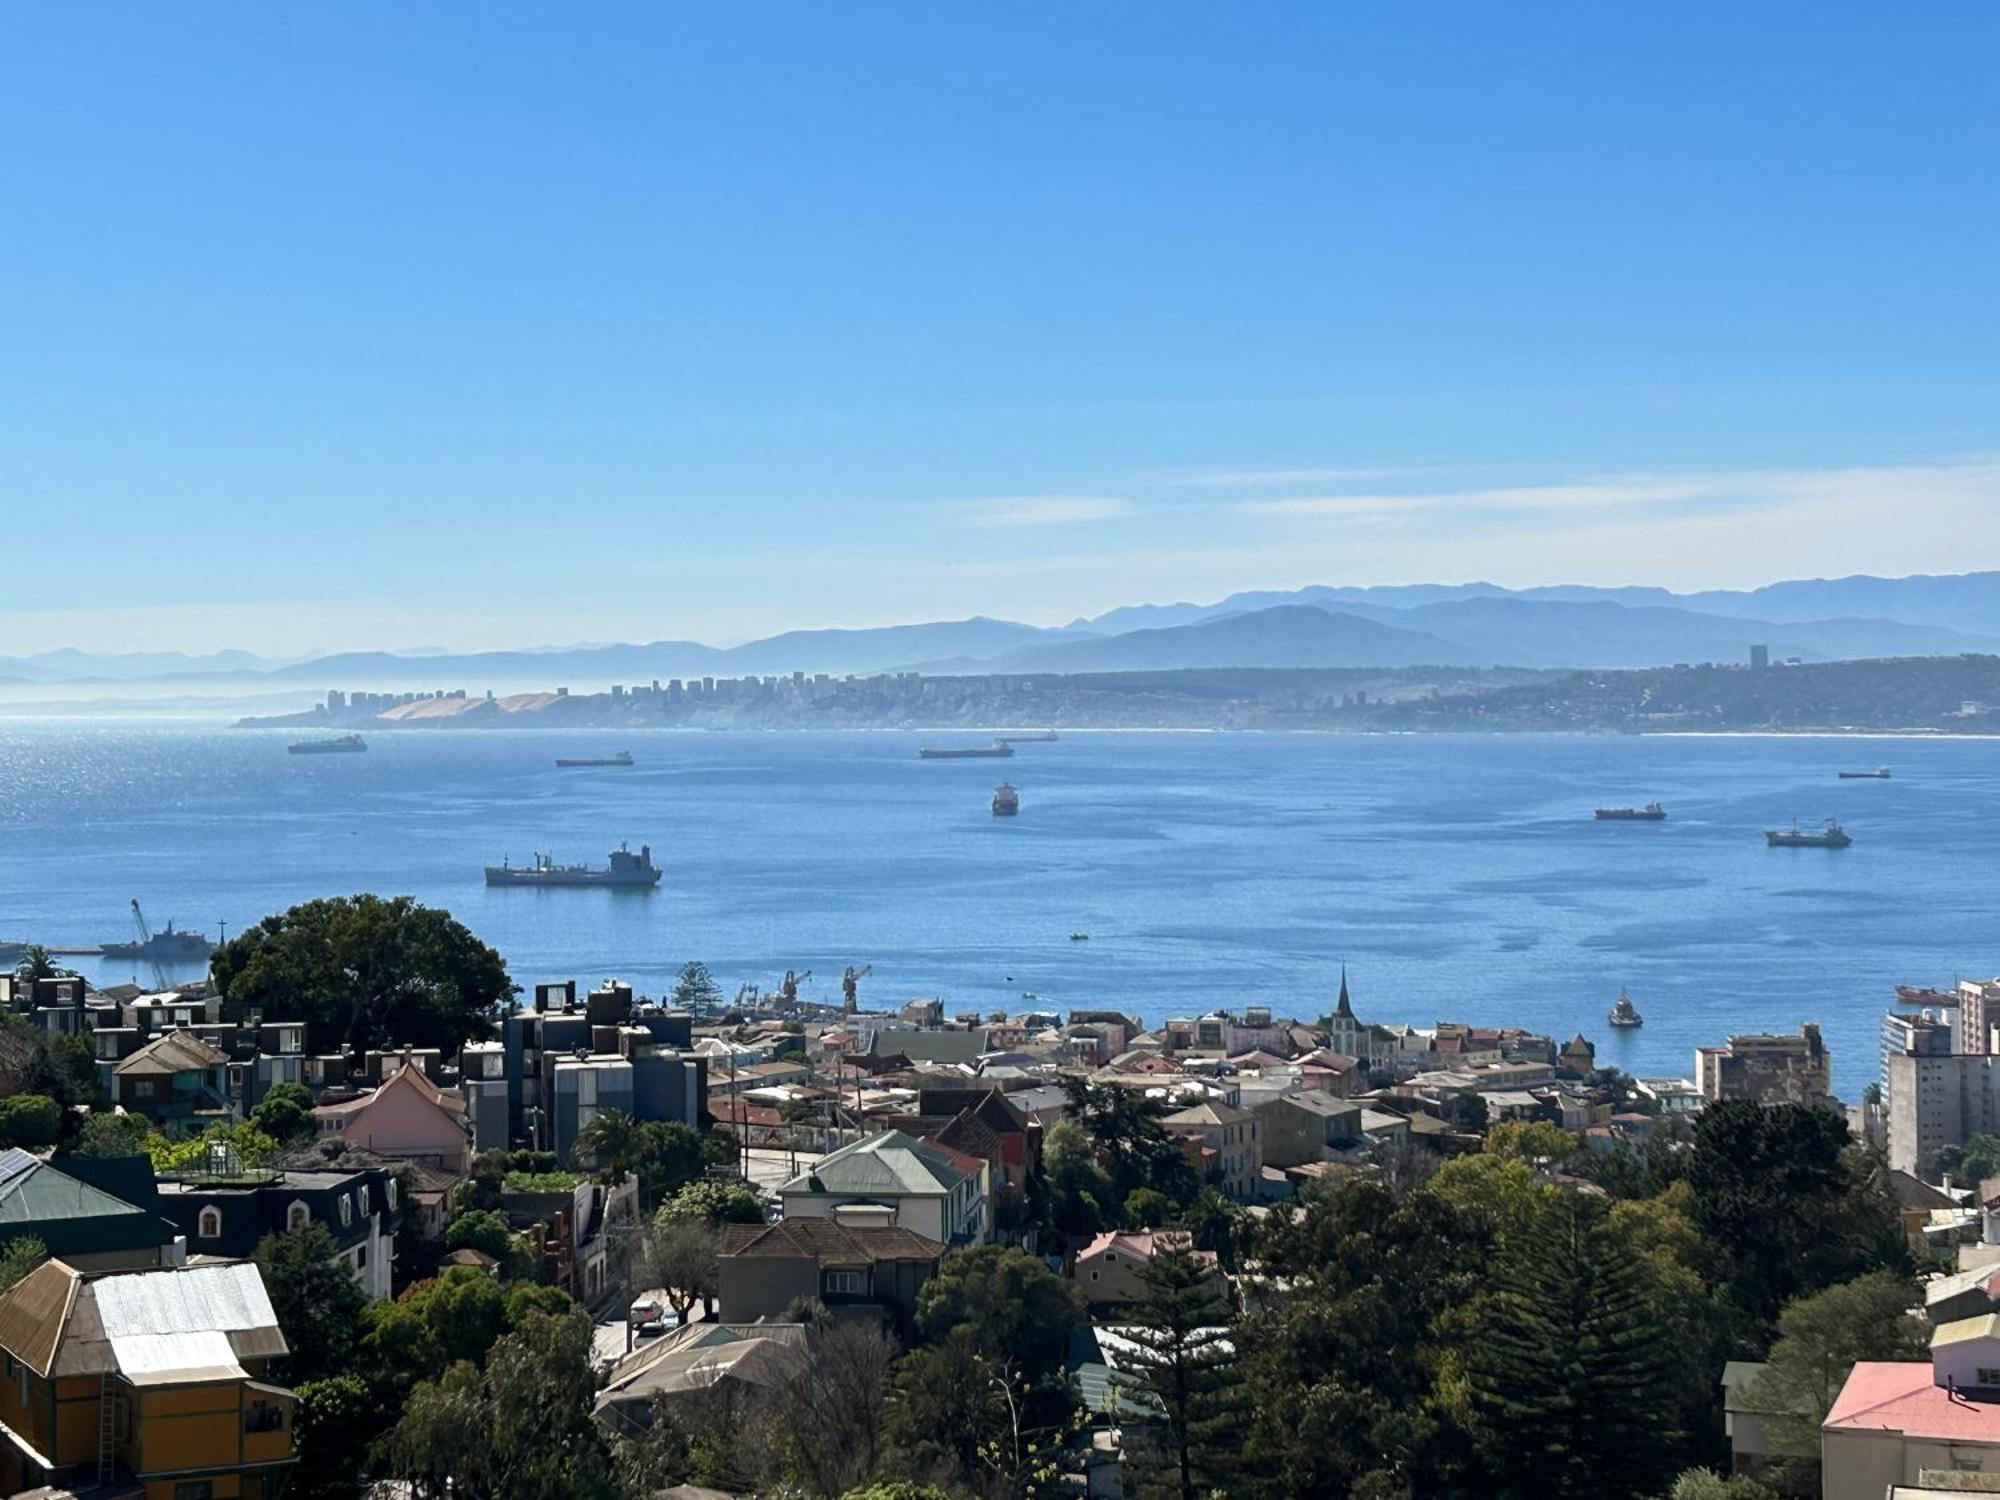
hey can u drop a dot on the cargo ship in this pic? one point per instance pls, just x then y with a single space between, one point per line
1031 737
622 758
345 744
1830 835
1880 773
998 750
1624 1014
1006 801
1652 812
625 869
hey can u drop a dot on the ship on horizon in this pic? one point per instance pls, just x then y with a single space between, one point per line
624 869
1652 812
1830 835
998 750
1880 773
1624 1014
622 758
1006 801
343 744
170 944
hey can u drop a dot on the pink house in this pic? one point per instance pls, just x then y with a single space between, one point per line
407 1118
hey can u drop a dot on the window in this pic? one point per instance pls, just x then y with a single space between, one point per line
297 1216
1988 1376
391 1189
263 1416
361 1258
346 1210
195 1489
844 1283
208 1225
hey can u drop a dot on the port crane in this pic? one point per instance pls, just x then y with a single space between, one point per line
788 987
850 986
145 944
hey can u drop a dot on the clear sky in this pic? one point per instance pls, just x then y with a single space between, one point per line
378 324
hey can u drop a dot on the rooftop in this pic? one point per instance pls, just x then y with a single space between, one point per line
1901 1397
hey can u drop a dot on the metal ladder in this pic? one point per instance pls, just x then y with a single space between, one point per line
107 1429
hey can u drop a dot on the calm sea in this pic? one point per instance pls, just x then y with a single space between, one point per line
1457 877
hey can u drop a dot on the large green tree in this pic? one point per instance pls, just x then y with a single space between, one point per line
1135 1148
1010 1306
317 1300
367 972
1788 1206
1185 1369
1563 1366
1820 1339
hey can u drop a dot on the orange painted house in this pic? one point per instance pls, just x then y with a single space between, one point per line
147 1382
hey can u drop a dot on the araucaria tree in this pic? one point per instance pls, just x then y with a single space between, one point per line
1568 1368
367 972
1184 1369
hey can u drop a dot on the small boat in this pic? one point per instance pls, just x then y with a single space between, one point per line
1829 835
998 750
1624 1014
1006 801
1880 773
345 744
1652 812
622 758
1079 937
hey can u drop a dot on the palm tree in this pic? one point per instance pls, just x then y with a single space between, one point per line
35 963
610 1142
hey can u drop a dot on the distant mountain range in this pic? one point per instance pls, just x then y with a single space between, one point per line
1441 625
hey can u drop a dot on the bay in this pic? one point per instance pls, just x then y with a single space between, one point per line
1457 877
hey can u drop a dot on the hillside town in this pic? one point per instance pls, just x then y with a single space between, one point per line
262 1237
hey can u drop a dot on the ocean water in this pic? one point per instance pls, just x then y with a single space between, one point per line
1457 877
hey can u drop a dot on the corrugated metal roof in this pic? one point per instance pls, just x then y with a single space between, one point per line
176 1358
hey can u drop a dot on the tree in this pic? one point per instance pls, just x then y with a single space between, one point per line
714 1202
284 1113
1706 1484
36 963
1563 1369
833 1432
1787 1207
1147 1209
696 989
1184 1368
337 1418
519 1429
31 1120
1007 1304
1820 1340
366 973
317 1300
680 1255
1135 1147
113 1135
608 1144
18 1257
1974 1162
896 1489
1073 1191
957 1415
486 1230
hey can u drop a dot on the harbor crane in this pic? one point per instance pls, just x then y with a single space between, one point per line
788 987
850 986
146 946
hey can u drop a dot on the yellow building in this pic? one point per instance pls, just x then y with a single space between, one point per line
143 1381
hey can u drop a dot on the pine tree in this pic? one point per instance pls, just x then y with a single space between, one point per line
1184 1367
1570 1368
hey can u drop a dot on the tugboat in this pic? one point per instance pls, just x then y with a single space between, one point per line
1829 836
1880 773
622 758
1624 1014
1652 812
1006 801
345 744
624 869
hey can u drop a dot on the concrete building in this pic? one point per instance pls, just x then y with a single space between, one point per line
1230 1142
1766 1069
1936 1100
226 1213
1305 1127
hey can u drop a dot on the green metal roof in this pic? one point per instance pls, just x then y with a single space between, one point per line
69 1216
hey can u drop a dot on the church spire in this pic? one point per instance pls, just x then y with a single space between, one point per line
1344 1009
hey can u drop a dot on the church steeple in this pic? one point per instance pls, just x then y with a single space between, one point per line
1343 1008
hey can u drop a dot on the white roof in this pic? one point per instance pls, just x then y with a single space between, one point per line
176 1358
115 1315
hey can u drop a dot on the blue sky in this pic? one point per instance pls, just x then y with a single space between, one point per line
483 325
